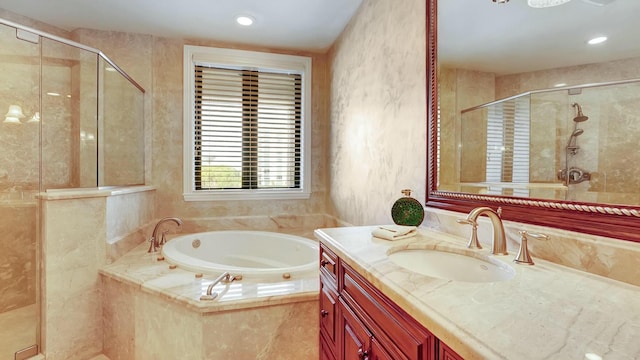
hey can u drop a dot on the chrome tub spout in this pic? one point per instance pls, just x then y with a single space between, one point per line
157 241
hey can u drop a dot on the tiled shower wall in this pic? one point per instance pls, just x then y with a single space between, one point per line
604 145
17 254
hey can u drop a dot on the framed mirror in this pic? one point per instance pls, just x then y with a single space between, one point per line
525 114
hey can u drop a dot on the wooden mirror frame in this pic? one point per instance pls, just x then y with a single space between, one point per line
621 222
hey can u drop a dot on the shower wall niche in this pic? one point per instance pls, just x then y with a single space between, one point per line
70 118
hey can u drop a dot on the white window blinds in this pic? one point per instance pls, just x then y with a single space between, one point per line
248 129
508 139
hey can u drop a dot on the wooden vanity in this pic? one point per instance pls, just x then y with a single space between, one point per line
359 322
372 308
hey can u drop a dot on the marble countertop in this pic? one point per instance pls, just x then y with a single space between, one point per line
546 311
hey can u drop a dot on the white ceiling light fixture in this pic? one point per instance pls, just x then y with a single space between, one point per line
245 20
545 3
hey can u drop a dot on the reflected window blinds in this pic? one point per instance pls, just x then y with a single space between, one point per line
508 139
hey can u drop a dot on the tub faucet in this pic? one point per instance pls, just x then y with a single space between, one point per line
499 241
156 242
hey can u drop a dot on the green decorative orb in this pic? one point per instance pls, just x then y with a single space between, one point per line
407 211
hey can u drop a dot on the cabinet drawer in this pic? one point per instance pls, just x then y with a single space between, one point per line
328 298
329 265
396 331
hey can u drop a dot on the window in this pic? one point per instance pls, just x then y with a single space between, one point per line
508 139
246 125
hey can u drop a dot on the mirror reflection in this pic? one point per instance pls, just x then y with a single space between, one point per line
529 108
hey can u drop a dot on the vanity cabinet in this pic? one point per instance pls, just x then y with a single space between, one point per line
328 304
358 322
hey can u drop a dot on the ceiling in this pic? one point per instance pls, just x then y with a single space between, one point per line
473 34
512 37
311 25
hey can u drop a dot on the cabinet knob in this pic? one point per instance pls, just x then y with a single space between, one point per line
363 355
324 263
324 313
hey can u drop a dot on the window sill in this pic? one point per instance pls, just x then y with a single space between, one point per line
227 195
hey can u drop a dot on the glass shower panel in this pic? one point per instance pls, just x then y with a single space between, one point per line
19 182
549 113
605 150
69 119
122 129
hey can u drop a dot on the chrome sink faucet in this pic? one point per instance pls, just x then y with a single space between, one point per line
156 242
499 241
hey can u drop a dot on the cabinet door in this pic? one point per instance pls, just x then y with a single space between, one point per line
402 336
445 353
328 298
378 352
326 353
355 338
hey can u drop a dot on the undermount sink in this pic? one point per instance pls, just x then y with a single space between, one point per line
452 266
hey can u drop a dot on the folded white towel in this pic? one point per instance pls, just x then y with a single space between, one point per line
394 232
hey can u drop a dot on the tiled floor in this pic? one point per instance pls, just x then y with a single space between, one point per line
17 331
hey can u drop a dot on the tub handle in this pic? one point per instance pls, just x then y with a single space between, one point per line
210 295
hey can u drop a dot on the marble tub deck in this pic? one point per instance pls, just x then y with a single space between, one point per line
143 270
154 312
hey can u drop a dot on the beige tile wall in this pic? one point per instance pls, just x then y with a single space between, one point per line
77 230
378 111
157 66
142 326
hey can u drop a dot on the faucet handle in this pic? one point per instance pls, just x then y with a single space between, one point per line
523 256
473 240
152 245
499 211
539 236
466 222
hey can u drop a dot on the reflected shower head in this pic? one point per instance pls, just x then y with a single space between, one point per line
577 132
580 117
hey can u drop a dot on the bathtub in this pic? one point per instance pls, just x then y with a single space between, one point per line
247 253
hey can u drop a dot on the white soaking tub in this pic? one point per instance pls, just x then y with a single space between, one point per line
246 253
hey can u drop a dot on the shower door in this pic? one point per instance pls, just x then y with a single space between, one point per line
20 66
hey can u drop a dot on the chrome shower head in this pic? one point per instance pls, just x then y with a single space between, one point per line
577 132
580 117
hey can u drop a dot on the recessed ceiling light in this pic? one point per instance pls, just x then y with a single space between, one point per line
560 85
545 3
244 20
598 2
597 40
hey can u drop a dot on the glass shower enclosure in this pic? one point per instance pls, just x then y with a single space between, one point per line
70 118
